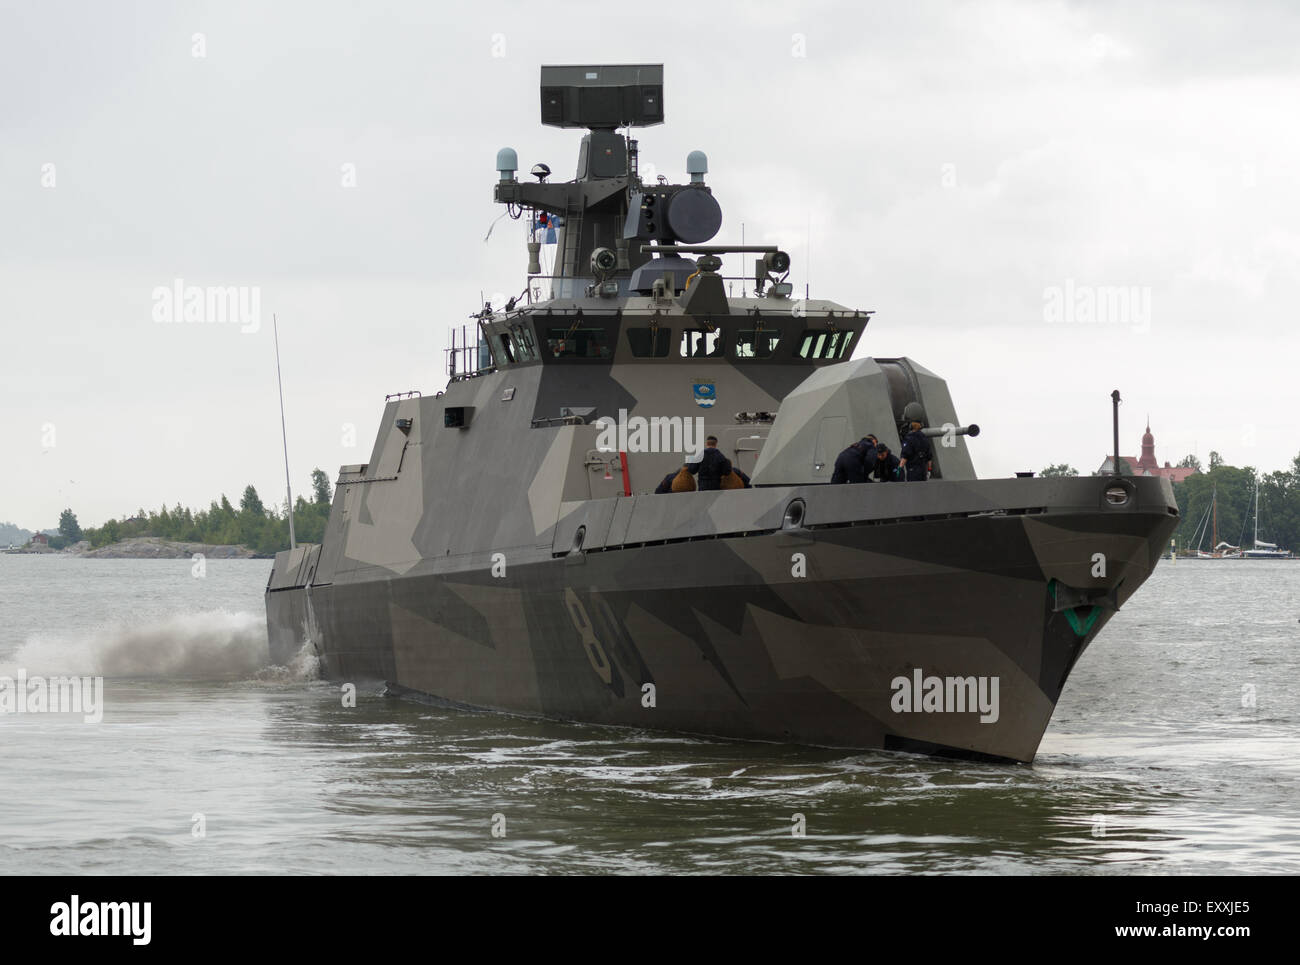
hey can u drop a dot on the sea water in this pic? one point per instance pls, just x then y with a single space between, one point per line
1175 749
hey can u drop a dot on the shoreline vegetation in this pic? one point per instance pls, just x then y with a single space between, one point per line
255 532
145 548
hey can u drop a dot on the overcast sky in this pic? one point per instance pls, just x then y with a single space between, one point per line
971 171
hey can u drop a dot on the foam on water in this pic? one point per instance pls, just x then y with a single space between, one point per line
304 666
204 645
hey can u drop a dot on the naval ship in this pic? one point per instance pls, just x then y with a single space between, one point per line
503 548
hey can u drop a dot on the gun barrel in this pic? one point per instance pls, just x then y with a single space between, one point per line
935 432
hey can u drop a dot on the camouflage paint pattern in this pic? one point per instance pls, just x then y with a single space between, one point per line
495 552
481 567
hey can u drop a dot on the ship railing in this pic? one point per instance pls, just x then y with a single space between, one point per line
544 288
466 359
559 420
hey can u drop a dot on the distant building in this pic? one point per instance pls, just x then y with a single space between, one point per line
1146 465
40 538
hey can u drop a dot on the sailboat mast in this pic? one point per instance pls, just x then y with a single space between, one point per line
1214 504
1257 514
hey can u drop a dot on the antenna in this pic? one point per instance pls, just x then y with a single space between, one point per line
284 435
1114 401
807 275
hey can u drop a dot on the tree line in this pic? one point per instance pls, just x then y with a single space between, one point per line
262 530
1232 489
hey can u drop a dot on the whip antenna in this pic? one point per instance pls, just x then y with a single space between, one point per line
284 435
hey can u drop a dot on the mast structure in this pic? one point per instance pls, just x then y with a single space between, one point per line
1256 542
284 434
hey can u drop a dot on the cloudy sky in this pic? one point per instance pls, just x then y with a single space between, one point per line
975 172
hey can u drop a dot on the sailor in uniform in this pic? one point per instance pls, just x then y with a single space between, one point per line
916 454
852 465
711 466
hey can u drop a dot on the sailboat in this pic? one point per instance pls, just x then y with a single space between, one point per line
1263 550
1210 524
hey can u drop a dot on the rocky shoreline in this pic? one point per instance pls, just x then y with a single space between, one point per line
146 548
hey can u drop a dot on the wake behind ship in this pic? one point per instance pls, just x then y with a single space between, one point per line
503 548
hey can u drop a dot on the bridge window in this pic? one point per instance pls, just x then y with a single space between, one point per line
507 350
825 343
650 343
525 350
757 343
525 336
698 344
577 343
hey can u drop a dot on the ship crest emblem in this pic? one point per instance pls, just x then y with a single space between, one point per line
705 394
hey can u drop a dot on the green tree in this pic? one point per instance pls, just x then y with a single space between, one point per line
1279 509
309 520
68 526
109 533
225 533
320 484
1060 469
137 525
186 528
251 504
1216 460
1189 462
1233 491
272 537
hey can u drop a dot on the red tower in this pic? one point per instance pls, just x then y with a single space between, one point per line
1148 459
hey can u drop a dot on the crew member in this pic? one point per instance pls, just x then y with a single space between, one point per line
917 454
851 464
666 486
711 466
885 467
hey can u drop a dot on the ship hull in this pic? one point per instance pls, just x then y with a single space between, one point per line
940 635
